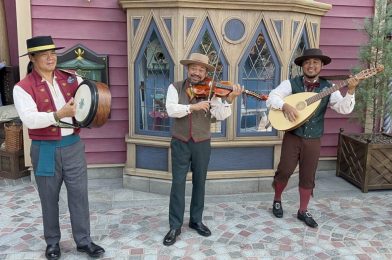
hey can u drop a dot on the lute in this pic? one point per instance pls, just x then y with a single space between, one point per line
307 103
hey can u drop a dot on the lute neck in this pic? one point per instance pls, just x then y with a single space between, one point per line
326 92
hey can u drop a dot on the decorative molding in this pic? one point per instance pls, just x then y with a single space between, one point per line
189 22
135 22
315 30
278 44
169 26
165 142
298 6
163 32
278 26
294 27
193 33
296 33
134 34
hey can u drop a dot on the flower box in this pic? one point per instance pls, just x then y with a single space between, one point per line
366 164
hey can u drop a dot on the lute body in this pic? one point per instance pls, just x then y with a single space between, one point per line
305 111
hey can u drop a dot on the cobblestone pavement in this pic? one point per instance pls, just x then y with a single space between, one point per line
131 224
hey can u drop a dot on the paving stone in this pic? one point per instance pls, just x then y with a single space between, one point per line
131 224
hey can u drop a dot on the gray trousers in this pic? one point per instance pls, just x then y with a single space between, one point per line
71 169
185 155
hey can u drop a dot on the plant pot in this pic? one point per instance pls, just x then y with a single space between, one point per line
366 164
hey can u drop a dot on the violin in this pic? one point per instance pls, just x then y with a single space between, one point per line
220 89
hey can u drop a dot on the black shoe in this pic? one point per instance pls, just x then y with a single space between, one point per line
53 252
277 209
200 228
91 249
171 236
307 218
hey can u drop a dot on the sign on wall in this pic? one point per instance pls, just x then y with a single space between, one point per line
85 62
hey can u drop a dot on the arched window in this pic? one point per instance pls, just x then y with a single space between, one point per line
207 43
153 74
303 44
259 71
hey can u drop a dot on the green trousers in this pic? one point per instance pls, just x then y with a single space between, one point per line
195 156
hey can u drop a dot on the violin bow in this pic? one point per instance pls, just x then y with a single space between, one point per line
213 76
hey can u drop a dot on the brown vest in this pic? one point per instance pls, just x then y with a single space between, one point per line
196 125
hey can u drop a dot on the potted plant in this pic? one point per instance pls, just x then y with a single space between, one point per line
365 159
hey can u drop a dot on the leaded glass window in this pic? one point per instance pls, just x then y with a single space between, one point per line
259 72
153 75
206 43
207 47
295 70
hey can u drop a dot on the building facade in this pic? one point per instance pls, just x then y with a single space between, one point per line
252 43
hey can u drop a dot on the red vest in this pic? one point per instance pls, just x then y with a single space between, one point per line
40 93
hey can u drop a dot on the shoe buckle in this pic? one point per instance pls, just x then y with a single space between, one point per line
308 214
277 205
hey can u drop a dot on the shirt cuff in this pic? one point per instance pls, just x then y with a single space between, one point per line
280 104
188 109
351 95
54 119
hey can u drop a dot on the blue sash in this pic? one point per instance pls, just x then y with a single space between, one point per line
47 153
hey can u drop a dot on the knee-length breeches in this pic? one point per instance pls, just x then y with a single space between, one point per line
298 150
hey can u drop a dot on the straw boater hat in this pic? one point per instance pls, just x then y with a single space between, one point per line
40 43
312 53
200 59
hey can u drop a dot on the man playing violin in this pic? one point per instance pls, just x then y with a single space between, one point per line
191 142
302 145
42 98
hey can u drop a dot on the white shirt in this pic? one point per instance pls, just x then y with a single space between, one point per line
28 111
220 110
342 105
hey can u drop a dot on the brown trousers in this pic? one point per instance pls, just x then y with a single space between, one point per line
296 149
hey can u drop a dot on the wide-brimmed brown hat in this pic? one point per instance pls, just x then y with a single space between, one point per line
40 43
312 53
200 59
